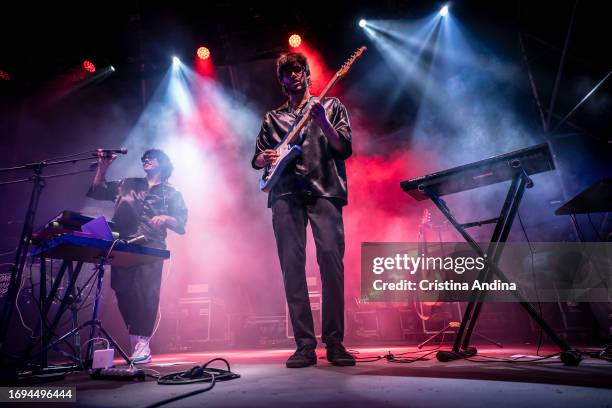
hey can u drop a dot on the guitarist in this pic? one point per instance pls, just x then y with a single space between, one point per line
311 189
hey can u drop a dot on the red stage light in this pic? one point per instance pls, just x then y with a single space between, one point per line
89 66
4 75
203 53
295 40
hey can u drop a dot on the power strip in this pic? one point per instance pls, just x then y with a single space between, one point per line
117 373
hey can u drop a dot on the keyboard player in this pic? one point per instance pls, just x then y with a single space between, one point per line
145 207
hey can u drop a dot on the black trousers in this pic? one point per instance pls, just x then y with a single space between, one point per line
290 216
137 291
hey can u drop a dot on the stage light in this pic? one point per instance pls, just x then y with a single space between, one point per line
4 75
176 62
112 68
295 40
444 11
89 66
203 53
362 23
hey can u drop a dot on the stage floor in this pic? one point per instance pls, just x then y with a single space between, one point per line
265 382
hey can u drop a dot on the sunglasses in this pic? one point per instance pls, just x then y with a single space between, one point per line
298 69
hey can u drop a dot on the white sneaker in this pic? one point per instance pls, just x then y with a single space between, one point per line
142 352
133 342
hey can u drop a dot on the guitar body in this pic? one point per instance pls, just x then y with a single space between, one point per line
286 154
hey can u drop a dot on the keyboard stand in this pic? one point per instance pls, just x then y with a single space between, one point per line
461 346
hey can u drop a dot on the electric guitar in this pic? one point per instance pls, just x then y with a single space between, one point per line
289 149
425 309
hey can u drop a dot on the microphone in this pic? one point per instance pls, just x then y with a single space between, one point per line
135 240
108 152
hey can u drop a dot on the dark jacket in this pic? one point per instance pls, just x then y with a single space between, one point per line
136 204
319 171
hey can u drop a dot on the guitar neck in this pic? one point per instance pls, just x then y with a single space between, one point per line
298 127
329 86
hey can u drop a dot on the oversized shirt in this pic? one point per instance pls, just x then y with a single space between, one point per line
136 204
319 171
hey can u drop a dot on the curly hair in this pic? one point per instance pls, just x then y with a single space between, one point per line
164 162
289 59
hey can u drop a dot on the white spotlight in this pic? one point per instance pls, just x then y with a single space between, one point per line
176 61
112 68
444 11
362 23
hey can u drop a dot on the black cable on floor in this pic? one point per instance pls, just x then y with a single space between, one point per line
394 357
405 360
602 354
419 351
397 358
197 374
366 359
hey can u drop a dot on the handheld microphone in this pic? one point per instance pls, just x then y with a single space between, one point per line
136 240
106 152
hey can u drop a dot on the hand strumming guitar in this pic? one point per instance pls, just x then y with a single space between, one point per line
266 158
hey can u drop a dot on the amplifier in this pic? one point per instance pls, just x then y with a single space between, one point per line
316 307
191 324
195 319
258 330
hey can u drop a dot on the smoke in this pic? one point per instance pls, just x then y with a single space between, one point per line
419 101
209 134
466 107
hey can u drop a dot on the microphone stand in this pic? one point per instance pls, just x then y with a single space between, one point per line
38 184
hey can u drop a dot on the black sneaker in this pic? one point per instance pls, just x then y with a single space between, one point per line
303 357
338 356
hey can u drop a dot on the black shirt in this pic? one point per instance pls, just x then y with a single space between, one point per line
319 171
136 204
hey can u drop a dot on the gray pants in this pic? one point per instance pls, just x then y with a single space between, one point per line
290 216
137 291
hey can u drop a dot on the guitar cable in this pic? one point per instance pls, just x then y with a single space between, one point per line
397 358
197 374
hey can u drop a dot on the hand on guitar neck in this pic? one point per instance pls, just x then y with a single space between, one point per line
319 116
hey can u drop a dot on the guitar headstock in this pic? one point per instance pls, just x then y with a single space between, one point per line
347 65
